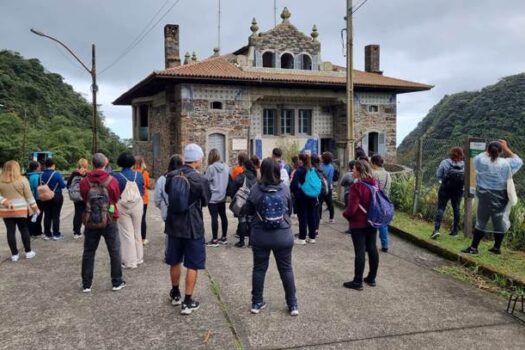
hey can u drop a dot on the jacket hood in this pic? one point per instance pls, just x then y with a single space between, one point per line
267 188
218 167
97 175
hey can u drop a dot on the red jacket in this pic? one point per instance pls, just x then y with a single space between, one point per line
99 176
359 195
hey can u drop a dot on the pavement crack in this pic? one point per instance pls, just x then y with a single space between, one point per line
215 288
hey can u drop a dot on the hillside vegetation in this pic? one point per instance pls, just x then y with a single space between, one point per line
58 118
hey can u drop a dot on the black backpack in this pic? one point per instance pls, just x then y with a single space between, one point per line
454 179
178 190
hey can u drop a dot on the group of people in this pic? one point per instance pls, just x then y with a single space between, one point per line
495 197
264 196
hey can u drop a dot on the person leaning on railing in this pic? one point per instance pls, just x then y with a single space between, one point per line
493 176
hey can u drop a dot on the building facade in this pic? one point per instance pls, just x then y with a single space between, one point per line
275 91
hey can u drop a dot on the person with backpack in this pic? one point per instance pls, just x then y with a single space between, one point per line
188 192
217 175
270 204
325 188
161 196
384 180
33 175
16 204
140 166
495 192
237 170
100 192
364 235
451 174
286 170
347 181
329 173
306 188
50 193
130 206
239 191
73 186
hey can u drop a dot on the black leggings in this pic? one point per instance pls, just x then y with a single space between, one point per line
329 203
143 228
77 218
364 240
10 225
478 236
216 210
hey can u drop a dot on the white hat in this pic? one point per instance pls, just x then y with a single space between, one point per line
193 153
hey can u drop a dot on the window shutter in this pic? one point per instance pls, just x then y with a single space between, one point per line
364 144
298 63
258 59
382 144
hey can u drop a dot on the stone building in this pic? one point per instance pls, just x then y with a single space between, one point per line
275 91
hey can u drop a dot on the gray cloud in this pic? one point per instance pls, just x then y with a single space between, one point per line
456 45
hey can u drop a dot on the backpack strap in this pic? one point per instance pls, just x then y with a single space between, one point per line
372 191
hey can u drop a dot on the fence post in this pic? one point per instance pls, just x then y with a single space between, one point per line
419 165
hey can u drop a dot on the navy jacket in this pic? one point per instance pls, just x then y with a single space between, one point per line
130 175
56 183
189 225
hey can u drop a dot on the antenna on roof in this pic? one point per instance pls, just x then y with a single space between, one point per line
275 13
219 28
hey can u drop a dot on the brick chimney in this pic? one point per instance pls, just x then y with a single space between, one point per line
372 59
171 45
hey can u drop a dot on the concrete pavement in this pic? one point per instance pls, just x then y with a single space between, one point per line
412 307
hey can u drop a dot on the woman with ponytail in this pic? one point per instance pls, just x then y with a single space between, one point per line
493 174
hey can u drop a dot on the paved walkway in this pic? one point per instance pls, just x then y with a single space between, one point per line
412 307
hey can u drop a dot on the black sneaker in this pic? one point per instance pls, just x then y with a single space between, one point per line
239 244
370 282
187 309
175 298
293 310
223 240
213 243
384 250
119 287
470 250
454 233
353 285
257 307
495 250
435 235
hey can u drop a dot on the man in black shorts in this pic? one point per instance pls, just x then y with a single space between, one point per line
185 226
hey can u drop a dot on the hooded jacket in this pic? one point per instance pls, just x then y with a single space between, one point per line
359 195
99 176
189 225
217 175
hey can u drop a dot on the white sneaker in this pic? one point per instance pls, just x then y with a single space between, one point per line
14 258
46 238
311 241
331 221
300 241
86 290
30 255
145 242
119 287
140 262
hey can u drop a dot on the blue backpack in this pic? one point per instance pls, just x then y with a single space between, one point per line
271 209
178 190
312 184
381 210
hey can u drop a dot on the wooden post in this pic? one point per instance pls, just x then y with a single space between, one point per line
419 165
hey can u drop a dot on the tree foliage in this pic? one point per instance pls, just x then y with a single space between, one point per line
55 117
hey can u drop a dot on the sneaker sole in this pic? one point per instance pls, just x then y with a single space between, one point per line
116 289
176 302
256 311
294 313
212 245
189 311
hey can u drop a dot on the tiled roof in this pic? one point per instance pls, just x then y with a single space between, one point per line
222 68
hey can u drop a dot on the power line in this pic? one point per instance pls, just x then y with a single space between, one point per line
143 34
359 6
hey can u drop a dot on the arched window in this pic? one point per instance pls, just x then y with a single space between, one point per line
306 62
268 60
216 105
287 61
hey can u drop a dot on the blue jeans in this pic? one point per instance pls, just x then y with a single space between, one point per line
383 236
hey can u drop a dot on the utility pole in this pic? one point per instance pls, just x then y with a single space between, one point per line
349 83
92 72
275 13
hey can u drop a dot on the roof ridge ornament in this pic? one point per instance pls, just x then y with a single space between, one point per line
254 27
187 58
314 33
285 15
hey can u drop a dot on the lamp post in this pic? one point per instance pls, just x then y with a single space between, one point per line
92 72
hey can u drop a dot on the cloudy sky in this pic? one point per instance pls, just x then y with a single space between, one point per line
456 45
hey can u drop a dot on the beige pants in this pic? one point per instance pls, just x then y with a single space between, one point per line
129 222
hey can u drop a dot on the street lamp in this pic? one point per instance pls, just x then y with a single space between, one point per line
92 72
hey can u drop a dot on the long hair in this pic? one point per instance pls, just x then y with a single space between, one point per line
241 158
11 172
256 162
327 158
213 156
377 160
364 169
176 161
307 161
270 172
316 161
494 149
140 163
456 154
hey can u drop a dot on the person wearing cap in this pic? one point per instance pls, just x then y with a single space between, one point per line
185 231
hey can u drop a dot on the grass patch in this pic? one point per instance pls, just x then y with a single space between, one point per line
498 284
509 263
